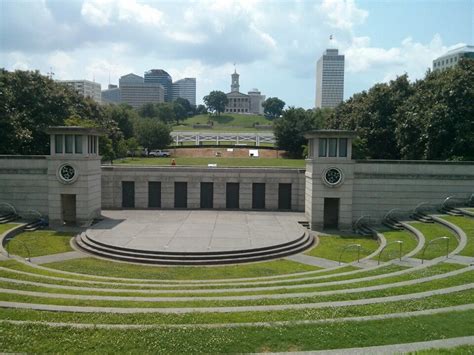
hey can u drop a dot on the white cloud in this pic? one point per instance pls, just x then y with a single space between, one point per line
409 57
97 12
18 61
62 64
102 12
343 14
132 11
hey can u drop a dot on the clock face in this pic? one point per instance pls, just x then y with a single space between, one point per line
67 173
333 176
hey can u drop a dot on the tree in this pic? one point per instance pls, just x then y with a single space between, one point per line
290 128
30 102
165 112
180 112
153 135
133 146
273 107
124 116
436 122
373 115
186 104
216 101
201 110
148 110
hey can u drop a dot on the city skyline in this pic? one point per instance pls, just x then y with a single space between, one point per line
278 43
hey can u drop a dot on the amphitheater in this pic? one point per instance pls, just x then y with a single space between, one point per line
400 281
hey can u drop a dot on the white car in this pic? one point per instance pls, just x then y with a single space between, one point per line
159 153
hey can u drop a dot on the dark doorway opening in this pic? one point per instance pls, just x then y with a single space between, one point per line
128 194
154 194
232 195
207 195
258 196
284 196
68 208
331 213
180 195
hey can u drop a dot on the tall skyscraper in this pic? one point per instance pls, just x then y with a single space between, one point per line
186 89
85 87
452 57
160 76
135 92
330 79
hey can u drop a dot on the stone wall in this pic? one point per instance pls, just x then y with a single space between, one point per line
24 182
382 185
112 177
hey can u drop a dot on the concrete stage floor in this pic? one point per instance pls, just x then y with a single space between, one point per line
196 230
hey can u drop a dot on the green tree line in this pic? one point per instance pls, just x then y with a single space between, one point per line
31 102
431 118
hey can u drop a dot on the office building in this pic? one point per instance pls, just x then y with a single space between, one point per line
111 94
159 76
186 89
135 92
330 79
85 87
452 57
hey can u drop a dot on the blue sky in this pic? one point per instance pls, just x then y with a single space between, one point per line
275 44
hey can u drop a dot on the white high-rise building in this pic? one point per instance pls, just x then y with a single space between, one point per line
86 88
451 58
186 89
330 79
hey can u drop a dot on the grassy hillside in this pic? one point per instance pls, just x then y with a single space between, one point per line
224 121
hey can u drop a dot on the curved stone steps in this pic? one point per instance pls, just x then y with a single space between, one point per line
237 286
252 308
143 297
212 258
461 235
232 290
225 258
418 235
458 308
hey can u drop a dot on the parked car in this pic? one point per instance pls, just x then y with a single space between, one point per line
159 153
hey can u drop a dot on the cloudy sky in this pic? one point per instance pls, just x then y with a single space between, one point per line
274 43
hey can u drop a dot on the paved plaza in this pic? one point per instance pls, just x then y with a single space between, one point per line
196 230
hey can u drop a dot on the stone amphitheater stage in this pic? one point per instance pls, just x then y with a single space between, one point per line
195 230
195 237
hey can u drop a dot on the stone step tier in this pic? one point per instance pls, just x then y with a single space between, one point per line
89 245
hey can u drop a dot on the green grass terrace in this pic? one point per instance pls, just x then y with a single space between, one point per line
220 162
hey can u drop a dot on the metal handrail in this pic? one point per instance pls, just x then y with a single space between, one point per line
349 246
386 245
10 206
432 241
461 201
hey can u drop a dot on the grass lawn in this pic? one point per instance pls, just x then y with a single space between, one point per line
432 231
221 162
40 242
225 121
431 302
457 280
467 225
392 251
330 247
51 288
41 338
6 226
93 266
